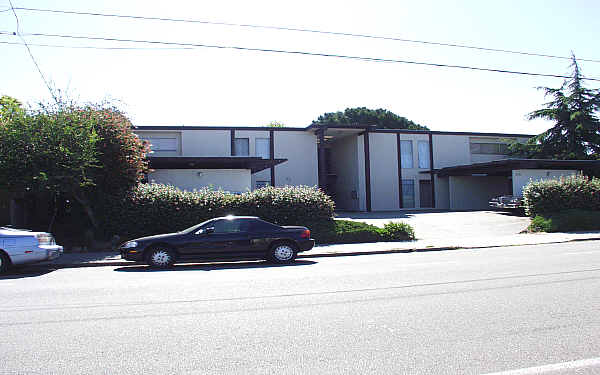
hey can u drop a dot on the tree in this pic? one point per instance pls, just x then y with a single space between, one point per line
84 151
276 124
576 131
382 118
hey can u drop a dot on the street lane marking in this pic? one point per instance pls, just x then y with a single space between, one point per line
550 368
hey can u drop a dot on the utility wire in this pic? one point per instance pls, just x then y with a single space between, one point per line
305 53
283 28
101 48
18 33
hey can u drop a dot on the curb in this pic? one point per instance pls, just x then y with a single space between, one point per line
331 255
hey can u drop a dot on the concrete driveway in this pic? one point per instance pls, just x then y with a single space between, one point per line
449 225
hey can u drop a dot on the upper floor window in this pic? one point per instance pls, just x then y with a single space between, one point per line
423 148
162 144
406 153
241 147
262 149
489 148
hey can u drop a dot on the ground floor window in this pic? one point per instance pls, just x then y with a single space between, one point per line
408 193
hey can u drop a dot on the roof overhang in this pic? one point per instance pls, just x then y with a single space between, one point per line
505 167
231 162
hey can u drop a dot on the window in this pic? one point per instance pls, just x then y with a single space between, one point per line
489 148
162 144
241 147
408 193
261 184
262 148
406 153
423 148
230 226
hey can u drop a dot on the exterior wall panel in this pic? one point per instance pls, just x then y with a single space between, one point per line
301 168
345 165
232 180
475 192
522 177
384 172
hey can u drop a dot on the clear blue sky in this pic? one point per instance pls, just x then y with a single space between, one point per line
201 86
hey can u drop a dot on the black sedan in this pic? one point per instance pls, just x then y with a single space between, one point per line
221 238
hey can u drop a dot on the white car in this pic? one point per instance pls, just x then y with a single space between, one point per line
20 246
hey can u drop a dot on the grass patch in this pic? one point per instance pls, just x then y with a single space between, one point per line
566 221
346 231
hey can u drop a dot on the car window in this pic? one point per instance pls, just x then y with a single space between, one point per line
230 226
263 226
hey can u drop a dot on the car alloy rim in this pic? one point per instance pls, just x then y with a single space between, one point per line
283 252
161 257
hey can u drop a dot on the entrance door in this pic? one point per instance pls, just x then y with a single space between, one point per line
425 194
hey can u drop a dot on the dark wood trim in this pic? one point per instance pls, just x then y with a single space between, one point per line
224 128
400 198
232 135
321 162
432 176
367 171
272 154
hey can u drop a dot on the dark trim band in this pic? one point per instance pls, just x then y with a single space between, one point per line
232 135
272 154
367 171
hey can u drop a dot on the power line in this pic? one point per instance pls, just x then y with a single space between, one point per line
101 48
305 53
283 28
18 33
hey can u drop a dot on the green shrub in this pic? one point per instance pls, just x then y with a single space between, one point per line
155 208
549 196
346 231
566 221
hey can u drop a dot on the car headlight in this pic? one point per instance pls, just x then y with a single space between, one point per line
129 245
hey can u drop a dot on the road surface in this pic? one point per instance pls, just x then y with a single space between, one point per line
528 308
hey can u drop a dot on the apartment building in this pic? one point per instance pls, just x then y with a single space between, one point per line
363 168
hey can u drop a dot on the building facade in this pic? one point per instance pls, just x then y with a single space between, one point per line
362 168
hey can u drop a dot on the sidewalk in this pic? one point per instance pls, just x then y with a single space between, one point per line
98 259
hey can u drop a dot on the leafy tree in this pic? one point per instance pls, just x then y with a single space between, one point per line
382 118
83 151
576 131
276 124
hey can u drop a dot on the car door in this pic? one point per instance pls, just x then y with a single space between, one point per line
222 236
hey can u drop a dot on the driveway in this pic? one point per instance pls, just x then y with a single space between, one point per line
449 225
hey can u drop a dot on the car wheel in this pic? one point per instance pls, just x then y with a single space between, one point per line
160 257
4 262
283 252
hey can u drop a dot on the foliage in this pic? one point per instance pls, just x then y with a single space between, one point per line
576 131
382 118
155 208
550 196
276 124
81 150
346 231
566 221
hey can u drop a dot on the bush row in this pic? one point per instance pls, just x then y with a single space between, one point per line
566 221
549 196
346 231
155 208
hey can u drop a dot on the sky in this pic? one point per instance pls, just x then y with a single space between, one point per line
166 85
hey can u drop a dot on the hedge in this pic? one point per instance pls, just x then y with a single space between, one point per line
550 196
155 208
566 221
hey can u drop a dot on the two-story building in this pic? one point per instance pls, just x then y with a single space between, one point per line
362 168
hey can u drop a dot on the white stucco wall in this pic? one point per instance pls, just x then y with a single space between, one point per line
344 163
232 180
522 177
450 150
414 172
264 175
383 155
206 143
474 192
300 148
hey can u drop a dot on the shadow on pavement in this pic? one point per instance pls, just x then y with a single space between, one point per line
213 266
21 272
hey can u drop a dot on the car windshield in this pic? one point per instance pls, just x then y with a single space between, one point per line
195 227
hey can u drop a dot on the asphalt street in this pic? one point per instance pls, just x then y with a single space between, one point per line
529 308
